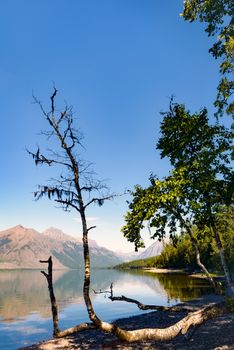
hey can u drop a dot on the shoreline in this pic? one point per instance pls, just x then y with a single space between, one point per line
215 334
162 270
199 275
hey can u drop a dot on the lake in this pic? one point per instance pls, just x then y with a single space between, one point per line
25 308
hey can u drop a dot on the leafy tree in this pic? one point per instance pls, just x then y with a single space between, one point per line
203 152
225 225
179 252
164 206
200 182
218 15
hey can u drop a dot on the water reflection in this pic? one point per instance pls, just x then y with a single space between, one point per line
25 292
25 315
179 287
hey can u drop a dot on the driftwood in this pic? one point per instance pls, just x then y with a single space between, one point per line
185 326
193 319
79 328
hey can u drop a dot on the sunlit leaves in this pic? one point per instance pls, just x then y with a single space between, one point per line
161 205
201 179
218 15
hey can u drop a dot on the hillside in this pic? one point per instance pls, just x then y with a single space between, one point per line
22 247
154 249
147 258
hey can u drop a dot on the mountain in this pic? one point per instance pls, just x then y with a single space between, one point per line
22 247
58 234
153 250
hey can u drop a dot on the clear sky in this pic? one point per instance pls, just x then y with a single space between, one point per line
117 62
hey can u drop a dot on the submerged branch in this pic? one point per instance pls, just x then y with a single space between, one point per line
142 306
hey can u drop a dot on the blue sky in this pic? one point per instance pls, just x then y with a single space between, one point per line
117 62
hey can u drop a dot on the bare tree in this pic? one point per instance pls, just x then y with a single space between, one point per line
76 188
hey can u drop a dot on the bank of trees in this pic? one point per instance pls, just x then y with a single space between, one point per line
179 252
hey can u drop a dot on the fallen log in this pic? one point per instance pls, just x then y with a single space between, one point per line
192 320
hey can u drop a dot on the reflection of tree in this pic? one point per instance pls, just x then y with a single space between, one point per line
22 292
175 286
183 287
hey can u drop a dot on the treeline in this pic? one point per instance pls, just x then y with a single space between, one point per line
180 254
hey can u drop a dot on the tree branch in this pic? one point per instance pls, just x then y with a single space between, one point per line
41 159
100 200
140 305
91 228
67 204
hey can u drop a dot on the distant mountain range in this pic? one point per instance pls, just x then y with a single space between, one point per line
22 247
153 250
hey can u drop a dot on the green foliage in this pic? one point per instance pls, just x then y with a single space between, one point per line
201 153
218 15
225 225
200 182
180 255
138 264
177 286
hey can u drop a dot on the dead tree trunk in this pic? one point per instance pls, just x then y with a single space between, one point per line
54 307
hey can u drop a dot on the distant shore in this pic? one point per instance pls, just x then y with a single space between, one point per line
215 334
181 271
157 270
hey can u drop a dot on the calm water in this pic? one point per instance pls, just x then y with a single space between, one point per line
25 309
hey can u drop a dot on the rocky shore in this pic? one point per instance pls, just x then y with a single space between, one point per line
215 334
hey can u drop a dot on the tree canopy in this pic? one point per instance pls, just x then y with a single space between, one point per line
201 180
203 152
218 16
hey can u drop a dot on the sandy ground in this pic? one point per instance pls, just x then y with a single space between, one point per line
215 334
157 270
